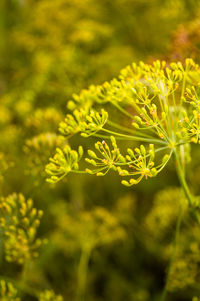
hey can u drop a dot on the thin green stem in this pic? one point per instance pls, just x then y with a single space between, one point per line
128 130
82 273
181 175
173 254
122 110
174 102
183 91
183 87
135 138
163 166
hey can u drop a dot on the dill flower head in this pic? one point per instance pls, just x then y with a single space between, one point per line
19 222
156 105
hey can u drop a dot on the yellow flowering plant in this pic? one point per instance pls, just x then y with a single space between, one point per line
156 106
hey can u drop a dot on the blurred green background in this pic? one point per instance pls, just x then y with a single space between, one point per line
50 49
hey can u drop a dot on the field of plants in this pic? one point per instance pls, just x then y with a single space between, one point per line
99 150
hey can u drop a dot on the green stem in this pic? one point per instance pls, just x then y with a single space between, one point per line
82 273
181 175
128 130
135 138
3 11
173 254
122 110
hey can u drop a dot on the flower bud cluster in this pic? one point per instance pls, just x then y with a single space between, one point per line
8 292
190 127
140 162
19 221
86 98
44 119
5 163
63 162
108 158
38 150
49 296
84 121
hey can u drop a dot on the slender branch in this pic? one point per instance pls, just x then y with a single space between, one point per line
128 130
122 110
135 138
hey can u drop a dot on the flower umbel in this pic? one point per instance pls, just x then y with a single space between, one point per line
88 122
19 221
156 104
63 162
109 158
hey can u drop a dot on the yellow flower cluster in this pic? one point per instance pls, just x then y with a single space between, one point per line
157 104
63 162
8 292
88 123
49 296
19 221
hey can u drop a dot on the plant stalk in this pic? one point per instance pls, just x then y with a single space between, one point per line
188 195
173 254
82 273
181 176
